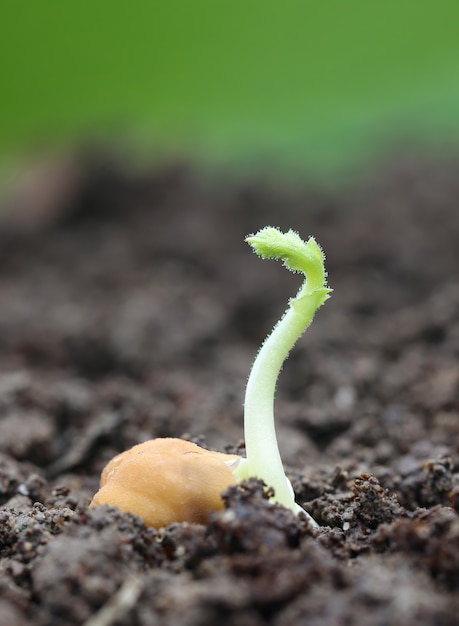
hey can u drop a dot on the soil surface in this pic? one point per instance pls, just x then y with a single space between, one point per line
131 308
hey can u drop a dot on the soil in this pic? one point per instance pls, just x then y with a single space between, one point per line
131 308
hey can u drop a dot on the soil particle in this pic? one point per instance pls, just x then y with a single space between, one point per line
431 538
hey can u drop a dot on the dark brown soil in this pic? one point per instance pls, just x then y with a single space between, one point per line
131 308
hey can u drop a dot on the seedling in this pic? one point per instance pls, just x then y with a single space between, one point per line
262 451
171 480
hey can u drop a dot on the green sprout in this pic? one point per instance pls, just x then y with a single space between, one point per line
130 480
263 458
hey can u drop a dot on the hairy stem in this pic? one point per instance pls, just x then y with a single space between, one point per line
263 456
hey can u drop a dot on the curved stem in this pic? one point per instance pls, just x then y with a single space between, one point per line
263 456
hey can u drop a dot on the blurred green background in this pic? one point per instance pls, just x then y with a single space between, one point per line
284 84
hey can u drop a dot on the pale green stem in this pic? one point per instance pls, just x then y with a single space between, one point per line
263 456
